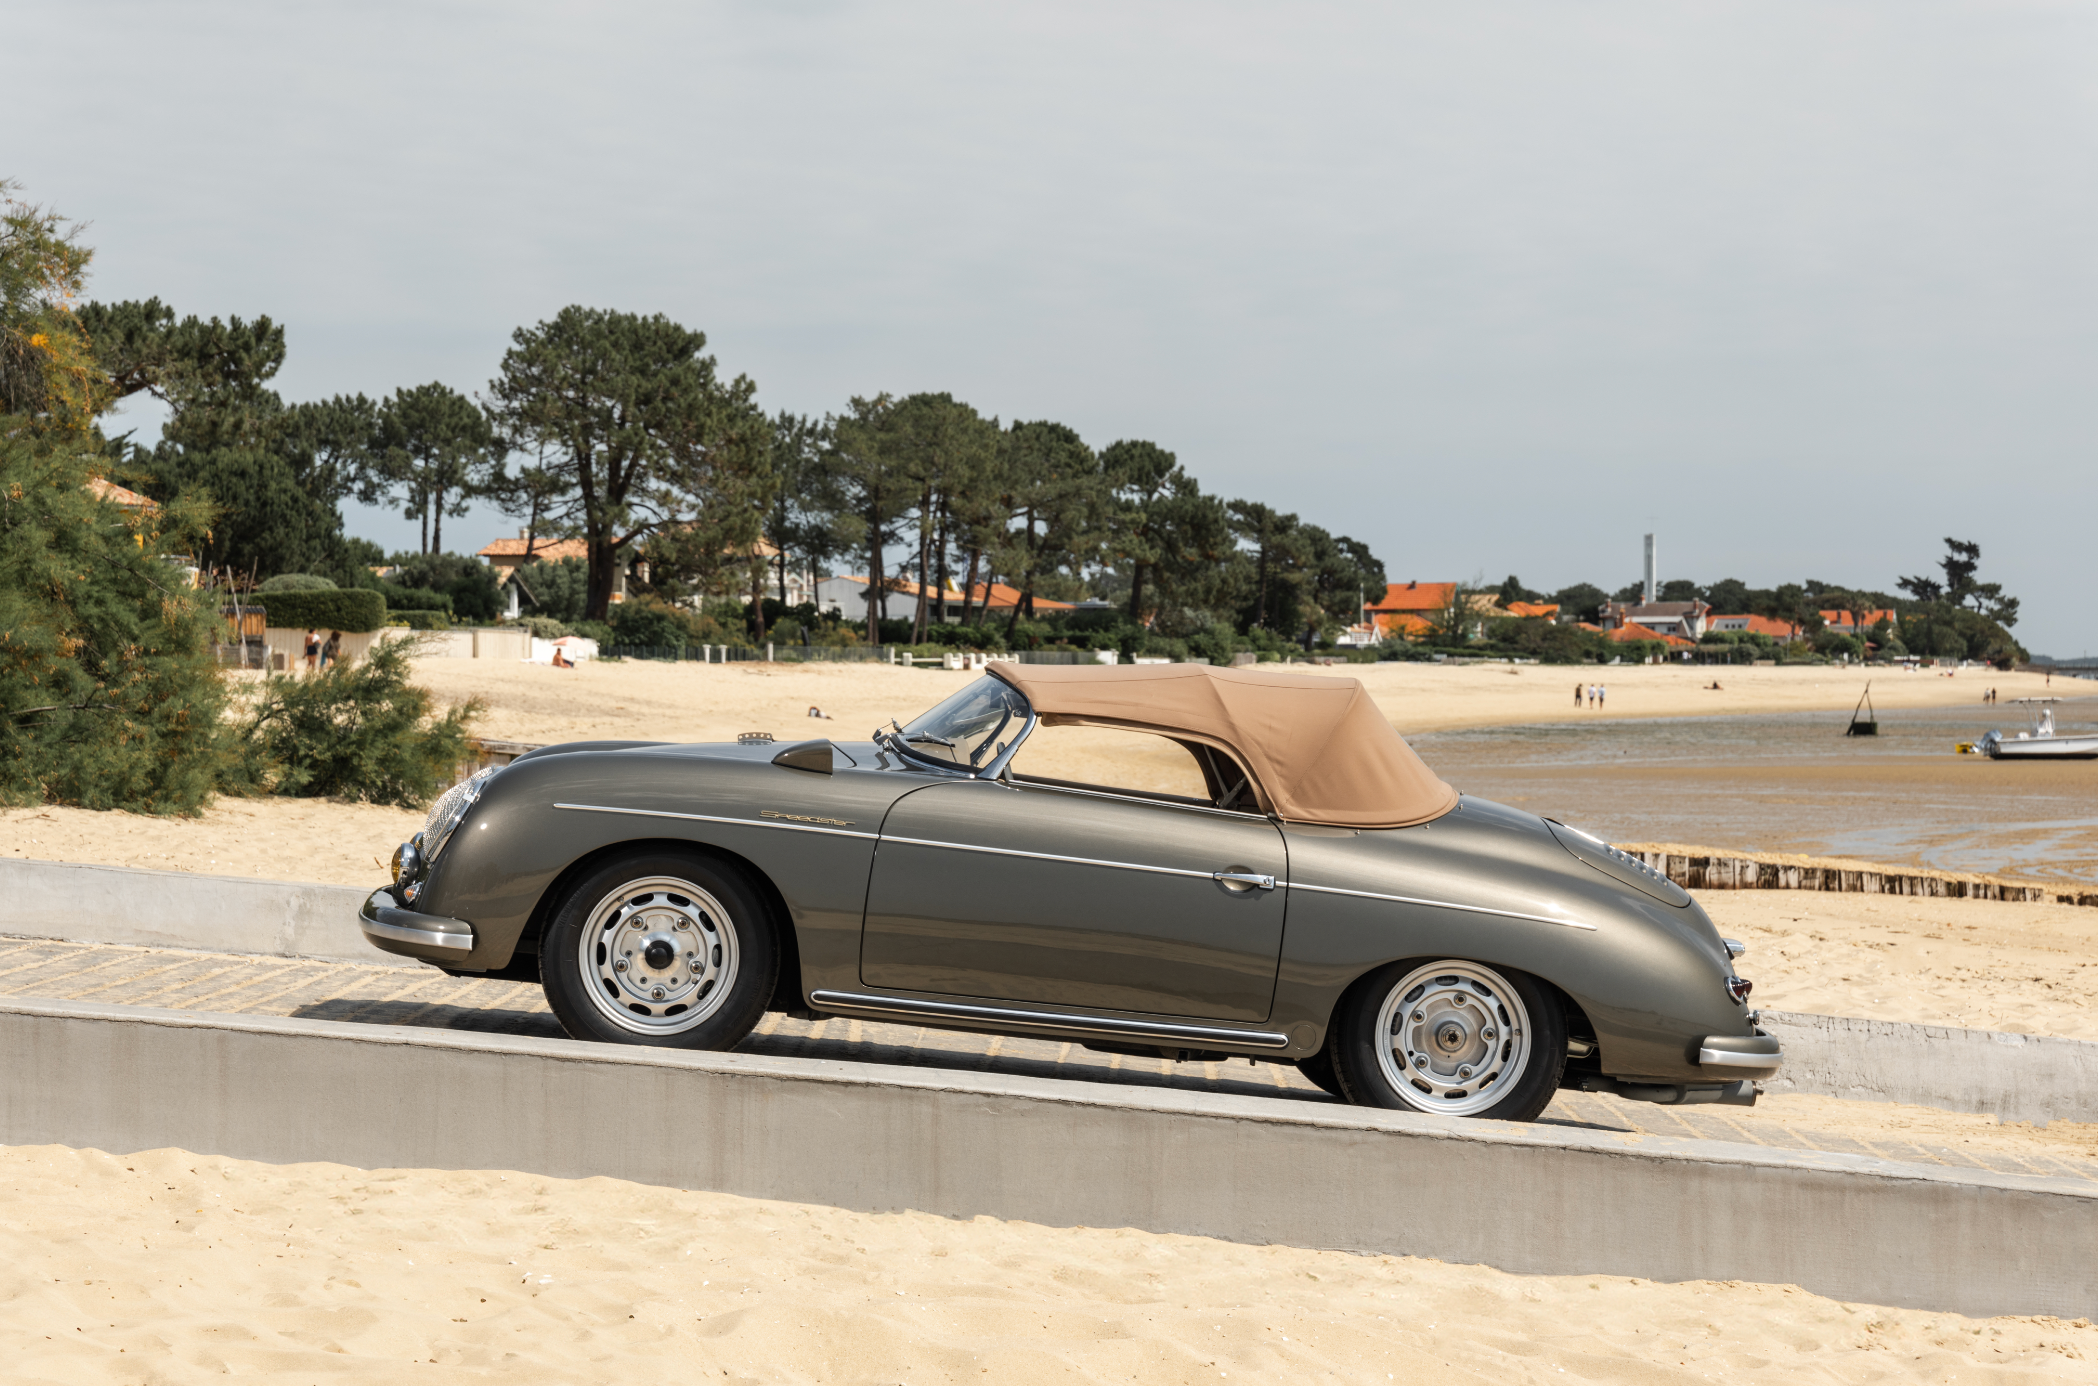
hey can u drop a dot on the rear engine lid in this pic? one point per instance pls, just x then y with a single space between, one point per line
1622 865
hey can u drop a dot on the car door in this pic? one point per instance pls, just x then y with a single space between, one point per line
1076 898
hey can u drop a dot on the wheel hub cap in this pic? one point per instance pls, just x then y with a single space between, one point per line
661 955
1454 1032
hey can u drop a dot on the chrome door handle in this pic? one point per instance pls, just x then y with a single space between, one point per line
1243 878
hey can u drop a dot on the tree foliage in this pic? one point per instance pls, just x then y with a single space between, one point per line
360 730
432 452
109 693
641 440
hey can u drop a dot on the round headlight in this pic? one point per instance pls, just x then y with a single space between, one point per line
450 810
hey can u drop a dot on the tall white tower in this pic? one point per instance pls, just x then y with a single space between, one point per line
1653 572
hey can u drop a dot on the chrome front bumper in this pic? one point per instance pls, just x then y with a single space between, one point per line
395 930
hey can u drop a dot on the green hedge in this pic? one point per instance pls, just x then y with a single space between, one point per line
352 610
420 620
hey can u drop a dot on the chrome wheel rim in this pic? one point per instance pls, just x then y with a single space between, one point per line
658 956
1452 1037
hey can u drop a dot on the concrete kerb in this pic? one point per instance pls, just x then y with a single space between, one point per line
178 909
873 1138
2013 1077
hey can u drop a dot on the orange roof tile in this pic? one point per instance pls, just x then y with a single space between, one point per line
1629 633
1413 596
103 490
549 550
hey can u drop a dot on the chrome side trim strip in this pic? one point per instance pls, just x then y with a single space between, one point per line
1054 856
1442 905
1051 1020
715 818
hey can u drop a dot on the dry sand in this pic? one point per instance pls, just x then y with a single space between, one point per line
170 1267
707 702
1981 964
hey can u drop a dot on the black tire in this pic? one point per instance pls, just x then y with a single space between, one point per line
683 953
1472 1052
1319 1069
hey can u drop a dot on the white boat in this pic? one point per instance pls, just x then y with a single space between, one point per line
2040 743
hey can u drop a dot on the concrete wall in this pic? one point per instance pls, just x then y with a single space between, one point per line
2012 1077
177 909
1524 1198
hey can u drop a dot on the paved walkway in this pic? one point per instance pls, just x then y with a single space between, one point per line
377 994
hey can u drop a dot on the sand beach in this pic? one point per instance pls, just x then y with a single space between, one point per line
165 1266
170 1266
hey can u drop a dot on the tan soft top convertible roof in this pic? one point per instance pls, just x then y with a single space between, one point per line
1317 747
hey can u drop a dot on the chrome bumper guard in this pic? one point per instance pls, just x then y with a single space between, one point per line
1741 1056
396 930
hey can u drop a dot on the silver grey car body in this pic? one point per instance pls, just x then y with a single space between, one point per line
899 888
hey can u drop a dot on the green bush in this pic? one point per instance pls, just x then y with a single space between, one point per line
358 731
466 584
545 628
354 610
420 620
399 598
651 621
297 582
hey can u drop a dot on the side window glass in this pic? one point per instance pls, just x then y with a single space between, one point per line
1131 762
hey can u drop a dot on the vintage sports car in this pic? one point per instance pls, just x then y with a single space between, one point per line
1316 896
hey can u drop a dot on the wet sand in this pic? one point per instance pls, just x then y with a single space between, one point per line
1794 783
164 1266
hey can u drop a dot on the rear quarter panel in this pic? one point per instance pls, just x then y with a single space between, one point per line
1649 976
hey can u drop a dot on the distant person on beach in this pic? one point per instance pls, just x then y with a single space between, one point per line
1578 690
1602 694
562 661
313 651
331 650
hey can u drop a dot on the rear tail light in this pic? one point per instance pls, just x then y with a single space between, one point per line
1739 988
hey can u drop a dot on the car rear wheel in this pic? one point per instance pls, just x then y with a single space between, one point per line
1454 1037
1319 1069
660 948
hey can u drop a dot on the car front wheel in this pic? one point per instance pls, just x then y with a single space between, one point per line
1458 1038
660 948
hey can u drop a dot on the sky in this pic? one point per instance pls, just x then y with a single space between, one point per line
1801 288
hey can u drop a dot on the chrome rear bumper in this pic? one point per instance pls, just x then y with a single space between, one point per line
395 930
1740 1056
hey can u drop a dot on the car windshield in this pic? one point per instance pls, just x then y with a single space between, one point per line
968 730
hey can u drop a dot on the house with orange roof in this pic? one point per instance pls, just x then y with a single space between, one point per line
1756 625
848 595
1840 621
1686 619
1646 635
1407 610
506 556
1547 610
